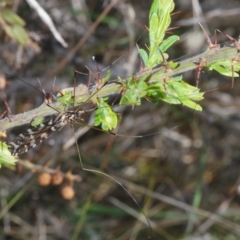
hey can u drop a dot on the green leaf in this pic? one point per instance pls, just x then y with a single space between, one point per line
5 156
176 91
136 90
66 98
186 94
19 34
168 42
159 21
13 26
107 77
156 57
156 92
37 121
225 68
153 31
144 56
12 18
105 116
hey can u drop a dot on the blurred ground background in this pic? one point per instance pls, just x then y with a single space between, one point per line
184 176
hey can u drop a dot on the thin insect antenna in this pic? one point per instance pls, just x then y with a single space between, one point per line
74 87
94 93
168 30
53 85
81 72
47 95
43 90
99 72
235 58
48 100
112 178
113 63
233 40
52 88
164 60
140 36
29 84
8 110
175 13
210 44
142 66
232 68
128 136
117 98
215 38
206 35
199 66
89 75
